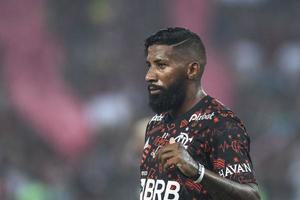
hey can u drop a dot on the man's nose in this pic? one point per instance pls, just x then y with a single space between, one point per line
151 76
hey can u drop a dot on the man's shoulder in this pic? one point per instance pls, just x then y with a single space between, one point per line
217 114
222 111
226 120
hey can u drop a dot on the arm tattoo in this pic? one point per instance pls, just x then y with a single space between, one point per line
188 165
225 189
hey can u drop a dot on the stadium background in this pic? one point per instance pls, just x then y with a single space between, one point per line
73 101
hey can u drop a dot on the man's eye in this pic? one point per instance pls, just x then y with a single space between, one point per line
161 65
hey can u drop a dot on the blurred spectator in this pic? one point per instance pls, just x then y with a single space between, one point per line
288 59
109 110
247 57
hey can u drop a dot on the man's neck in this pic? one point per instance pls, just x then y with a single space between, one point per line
191 100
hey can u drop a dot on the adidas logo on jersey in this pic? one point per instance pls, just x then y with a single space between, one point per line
157 118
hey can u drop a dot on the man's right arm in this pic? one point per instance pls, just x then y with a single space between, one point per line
220 188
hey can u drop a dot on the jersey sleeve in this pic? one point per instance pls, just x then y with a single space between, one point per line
230 152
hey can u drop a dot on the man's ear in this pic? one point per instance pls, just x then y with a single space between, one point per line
193 71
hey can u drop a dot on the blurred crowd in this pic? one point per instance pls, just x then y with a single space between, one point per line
262 41
104 65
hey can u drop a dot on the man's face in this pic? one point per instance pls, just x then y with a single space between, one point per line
166 79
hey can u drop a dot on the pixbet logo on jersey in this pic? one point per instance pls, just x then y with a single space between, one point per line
159 189
200 117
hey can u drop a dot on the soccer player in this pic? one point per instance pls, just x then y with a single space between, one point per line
195 148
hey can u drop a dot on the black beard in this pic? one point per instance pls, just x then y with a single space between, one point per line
170 98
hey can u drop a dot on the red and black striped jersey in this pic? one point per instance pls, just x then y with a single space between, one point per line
213 136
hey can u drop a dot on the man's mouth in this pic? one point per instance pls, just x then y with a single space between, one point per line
153 89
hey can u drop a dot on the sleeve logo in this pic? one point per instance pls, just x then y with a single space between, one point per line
235 169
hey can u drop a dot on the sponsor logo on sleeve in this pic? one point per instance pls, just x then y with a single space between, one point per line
235 169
